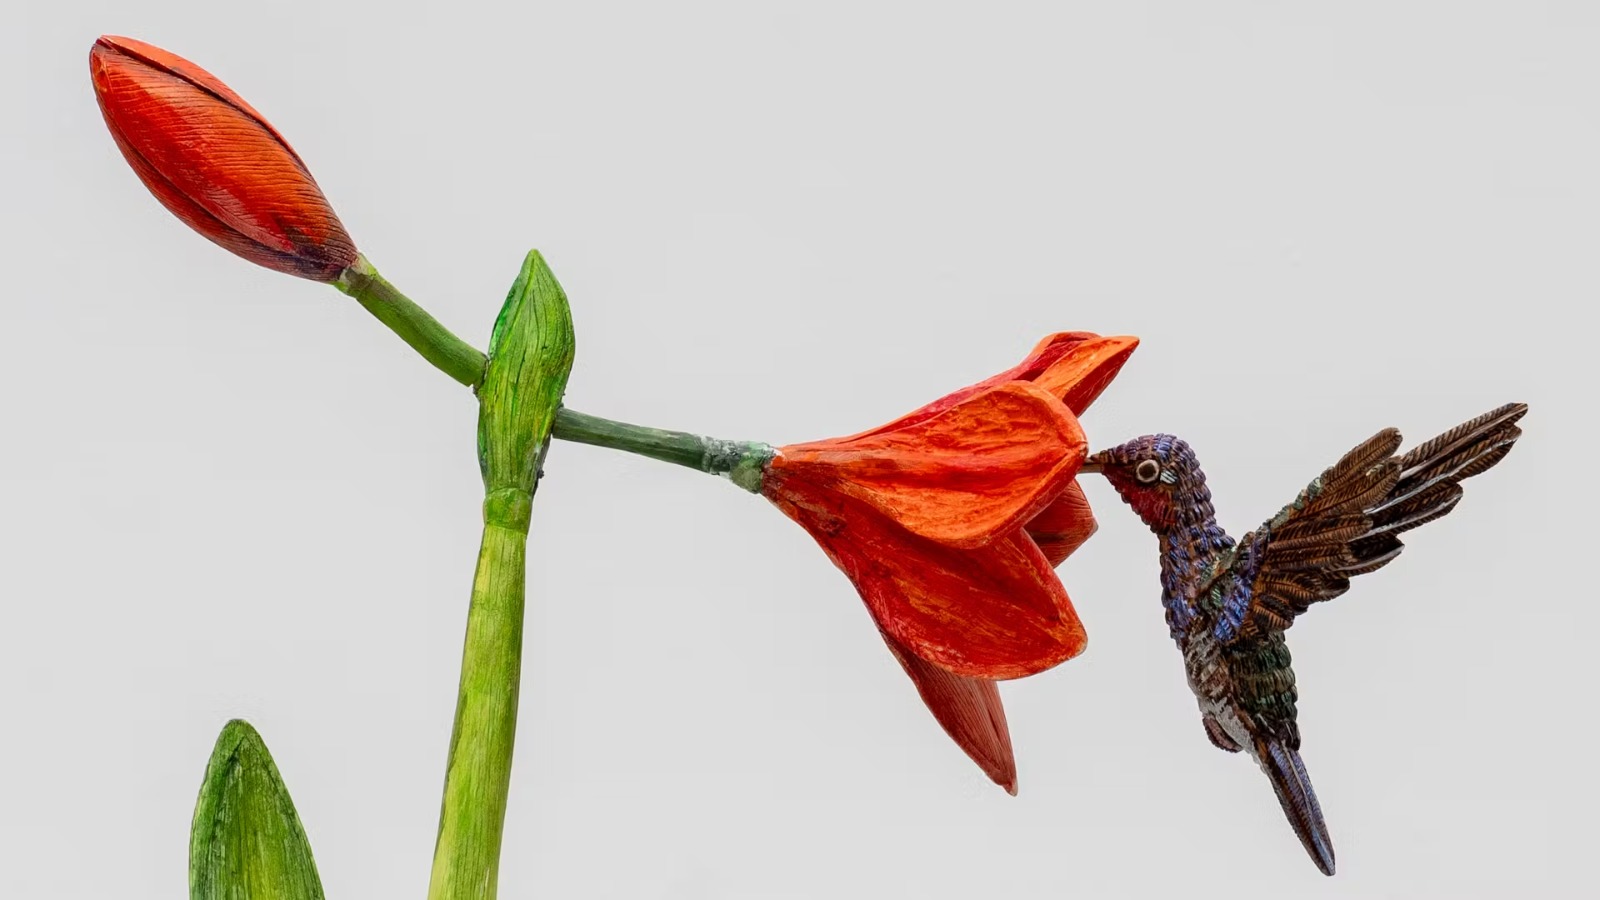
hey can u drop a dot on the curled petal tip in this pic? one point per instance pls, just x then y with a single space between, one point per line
1078 374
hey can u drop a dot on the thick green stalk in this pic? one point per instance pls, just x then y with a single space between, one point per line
450 354
530 355
466 857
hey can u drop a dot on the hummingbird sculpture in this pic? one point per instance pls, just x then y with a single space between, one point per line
1229 603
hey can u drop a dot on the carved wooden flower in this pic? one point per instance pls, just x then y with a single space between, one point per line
950 520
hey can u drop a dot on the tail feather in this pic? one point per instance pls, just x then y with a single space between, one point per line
1288 775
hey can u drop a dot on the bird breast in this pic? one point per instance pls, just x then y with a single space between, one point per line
1212 684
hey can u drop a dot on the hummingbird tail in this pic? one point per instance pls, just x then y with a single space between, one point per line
1288 774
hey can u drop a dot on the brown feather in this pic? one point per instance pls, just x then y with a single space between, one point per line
1333 481
1489 421
1486 462
1449 466
1347 522
1309 557
1373 561
1380 446
1293 592
1418 510
1311 532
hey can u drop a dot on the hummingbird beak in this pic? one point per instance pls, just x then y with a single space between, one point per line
1093 464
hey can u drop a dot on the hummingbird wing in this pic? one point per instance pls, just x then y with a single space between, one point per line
1348 521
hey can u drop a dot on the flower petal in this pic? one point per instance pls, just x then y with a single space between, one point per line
1075 367
211 228
1082 371
980 468
996 611
1064 525
157 58
970 712
1038 360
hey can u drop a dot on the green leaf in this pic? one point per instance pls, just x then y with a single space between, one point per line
246 842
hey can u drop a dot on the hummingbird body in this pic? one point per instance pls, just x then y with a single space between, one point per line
1228 603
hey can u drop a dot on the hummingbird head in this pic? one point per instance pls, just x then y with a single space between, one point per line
1158 476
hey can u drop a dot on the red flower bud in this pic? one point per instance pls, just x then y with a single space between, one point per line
215 162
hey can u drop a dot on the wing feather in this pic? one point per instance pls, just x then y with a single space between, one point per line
1347 522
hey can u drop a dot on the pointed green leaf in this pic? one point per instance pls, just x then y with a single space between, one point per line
246 842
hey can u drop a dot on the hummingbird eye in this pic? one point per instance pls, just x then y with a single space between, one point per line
1147 471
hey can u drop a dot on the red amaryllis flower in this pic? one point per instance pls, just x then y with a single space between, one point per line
215 162
942 518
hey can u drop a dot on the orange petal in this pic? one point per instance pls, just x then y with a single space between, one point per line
969 710
1039 359
980 468
1078 375
213 161
997 611
1064 525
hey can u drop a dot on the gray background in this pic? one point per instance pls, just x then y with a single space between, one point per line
225 492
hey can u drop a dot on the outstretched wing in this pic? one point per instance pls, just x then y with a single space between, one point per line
1348 521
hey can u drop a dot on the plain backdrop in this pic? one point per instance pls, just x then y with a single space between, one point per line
227 492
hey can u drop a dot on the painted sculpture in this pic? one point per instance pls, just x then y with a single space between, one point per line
1228 604
948 521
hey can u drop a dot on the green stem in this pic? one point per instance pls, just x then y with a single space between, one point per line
450 354
530 356
519 387
466 857
741 461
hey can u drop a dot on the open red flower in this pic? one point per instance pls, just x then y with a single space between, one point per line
215 162
940 518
